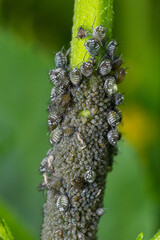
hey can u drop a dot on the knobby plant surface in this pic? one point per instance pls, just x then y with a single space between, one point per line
83 123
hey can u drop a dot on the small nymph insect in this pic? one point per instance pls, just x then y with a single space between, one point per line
56 76
110 50
56 135
118 98
99 33
63 203
105 67
120 74
87 69
93 47
75 76
90 176
113 136
116 63
113 118
60 60
110 86
82 33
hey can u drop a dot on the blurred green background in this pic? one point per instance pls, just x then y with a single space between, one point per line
31 32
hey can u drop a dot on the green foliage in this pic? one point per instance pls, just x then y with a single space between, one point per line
86 12
140 236
156 236
5 232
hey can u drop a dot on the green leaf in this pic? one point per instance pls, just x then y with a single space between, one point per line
87 13
156 236
140 236
5 232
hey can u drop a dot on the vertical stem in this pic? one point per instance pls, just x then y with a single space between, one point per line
85 12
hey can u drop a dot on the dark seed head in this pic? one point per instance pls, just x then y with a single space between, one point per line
93 47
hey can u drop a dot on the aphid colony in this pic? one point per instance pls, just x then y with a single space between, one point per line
75 168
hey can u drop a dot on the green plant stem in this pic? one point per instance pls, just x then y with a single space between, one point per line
87 12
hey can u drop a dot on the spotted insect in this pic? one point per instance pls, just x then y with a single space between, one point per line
55 117
63 203
93 47
65 100
113 136
113 118
90 176
82 33
57 92
56 135
110 86
68 131
75 76
99 33
116 63
120 74
110 50
46 164
100 211
118 98
60 60
105 67
56 76
86 69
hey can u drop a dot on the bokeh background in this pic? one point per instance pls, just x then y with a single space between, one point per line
31 32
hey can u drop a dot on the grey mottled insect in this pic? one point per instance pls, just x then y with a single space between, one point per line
93 47
56 76
90 176
82 33
110 86
75 76
60 60
99 33
110 50
118 98
87 69
56 135
105 67
62 203
113 118
113 136
100 211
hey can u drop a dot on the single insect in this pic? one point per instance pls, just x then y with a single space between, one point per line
59 91
110 50
120 74
60 60
83 144
82 33
93 60
90 176
116 63
87 69
56 76
113 136
105 67
78 182
55 117
68 131
110 85
75 76
46 164
118 111
56 135
118 98
113 118
56 184
99 33
100 211
93 47
62 203
65 99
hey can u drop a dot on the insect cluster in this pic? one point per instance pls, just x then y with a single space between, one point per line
83 145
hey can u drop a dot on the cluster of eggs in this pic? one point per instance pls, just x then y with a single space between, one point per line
83 123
